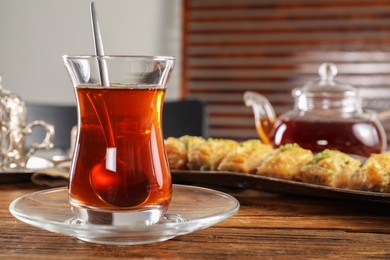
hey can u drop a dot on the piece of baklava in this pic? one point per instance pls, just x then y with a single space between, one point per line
330 168
176 153
285 162
374 175
206 155
220 148
246 157
198 152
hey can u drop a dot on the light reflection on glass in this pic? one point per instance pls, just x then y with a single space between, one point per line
322 142
366 134
279 134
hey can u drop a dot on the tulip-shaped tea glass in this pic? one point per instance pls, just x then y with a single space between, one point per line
119 173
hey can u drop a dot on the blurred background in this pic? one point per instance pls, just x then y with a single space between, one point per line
223 48
35 34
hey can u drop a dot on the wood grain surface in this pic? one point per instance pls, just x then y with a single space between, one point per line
267 226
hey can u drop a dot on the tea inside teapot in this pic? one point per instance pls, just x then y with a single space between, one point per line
326 115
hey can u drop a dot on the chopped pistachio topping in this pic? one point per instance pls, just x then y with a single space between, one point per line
287 147
320 156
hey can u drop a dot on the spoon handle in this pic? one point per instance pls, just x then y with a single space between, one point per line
98 101
99 50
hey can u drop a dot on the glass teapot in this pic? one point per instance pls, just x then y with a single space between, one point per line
326 115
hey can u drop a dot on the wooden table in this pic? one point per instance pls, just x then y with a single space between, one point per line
267 225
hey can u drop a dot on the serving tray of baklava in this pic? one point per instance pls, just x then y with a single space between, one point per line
269 184
288 169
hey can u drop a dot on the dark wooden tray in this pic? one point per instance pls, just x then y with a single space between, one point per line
15 177
244 181
263 183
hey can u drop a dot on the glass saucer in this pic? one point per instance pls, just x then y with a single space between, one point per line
192 208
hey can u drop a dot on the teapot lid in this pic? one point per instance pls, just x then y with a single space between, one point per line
326 86
327 95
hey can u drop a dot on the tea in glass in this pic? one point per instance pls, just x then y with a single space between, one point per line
119 173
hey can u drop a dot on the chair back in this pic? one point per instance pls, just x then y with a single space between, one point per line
184 117
63 117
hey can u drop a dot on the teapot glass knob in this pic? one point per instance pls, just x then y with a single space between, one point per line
327 72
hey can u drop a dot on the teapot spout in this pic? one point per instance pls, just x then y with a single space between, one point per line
263 113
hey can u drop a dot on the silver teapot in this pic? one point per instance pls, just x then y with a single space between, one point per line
13 131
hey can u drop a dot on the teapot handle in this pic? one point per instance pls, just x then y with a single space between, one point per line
47 142
263 112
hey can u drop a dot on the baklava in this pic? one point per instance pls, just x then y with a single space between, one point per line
285 162
246 157
330 168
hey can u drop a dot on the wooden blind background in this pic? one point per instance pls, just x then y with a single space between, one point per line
273 46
